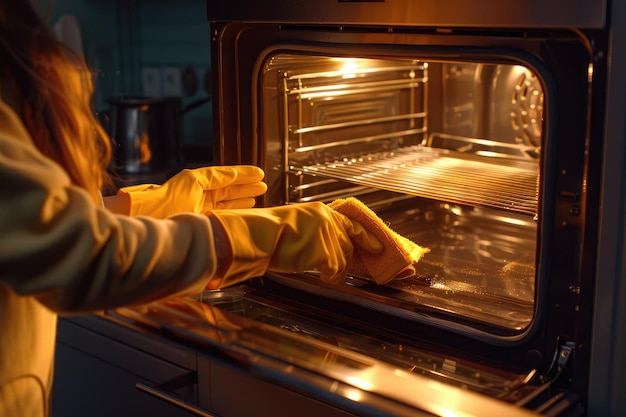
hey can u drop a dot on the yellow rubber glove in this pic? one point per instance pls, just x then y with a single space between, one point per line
199 191
292 238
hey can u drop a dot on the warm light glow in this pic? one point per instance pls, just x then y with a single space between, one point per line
452 398
145 154
360 383
489 154
450 413
349 68
511 220
354 395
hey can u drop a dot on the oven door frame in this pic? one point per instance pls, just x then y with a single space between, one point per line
570 167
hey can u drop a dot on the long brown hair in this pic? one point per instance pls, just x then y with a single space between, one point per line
53 95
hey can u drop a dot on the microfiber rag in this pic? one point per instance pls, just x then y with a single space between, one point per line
399 254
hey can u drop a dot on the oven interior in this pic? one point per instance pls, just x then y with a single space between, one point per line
446 152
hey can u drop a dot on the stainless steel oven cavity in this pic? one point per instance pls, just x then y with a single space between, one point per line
347 126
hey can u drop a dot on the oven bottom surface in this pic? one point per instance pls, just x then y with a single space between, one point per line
479 269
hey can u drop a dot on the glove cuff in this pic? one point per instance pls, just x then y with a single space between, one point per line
142 198
250 254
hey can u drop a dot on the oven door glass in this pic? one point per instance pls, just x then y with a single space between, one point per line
446 152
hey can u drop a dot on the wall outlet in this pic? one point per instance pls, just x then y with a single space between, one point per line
151 82
171 82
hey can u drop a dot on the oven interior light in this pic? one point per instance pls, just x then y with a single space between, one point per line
349 69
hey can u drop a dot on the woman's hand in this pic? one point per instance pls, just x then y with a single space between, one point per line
198 191
291 238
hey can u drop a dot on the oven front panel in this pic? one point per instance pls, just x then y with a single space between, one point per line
253 125
443 13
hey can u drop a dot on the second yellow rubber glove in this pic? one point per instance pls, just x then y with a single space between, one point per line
292 238
199 191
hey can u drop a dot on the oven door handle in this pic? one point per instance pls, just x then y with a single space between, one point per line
161 392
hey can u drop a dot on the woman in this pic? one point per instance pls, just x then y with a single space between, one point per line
62 250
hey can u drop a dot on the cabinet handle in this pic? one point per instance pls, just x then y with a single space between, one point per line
172 400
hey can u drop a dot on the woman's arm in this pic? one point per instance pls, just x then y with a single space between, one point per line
118 204
72 254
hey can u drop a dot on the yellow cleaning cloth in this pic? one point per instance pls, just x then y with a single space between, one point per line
399 254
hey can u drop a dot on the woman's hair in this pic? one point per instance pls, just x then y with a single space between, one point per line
53 95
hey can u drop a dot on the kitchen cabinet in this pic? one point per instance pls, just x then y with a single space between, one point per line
98 365
235 393
100 361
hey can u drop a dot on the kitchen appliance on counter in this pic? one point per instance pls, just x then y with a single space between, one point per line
476 129
147 135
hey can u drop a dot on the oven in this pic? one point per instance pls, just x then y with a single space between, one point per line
475 129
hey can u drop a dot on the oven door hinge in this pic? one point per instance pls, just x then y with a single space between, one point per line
547 401
559 362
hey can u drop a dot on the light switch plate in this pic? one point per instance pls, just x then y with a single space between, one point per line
151 82
171 81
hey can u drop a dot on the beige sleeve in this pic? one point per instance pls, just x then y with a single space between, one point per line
57 245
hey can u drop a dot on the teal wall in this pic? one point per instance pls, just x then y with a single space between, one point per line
97 18
125 39
175 35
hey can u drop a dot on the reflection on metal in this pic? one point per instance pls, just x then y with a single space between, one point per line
481 267
439 175
355 362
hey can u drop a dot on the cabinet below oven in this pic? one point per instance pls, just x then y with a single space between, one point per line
99 364
105 366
